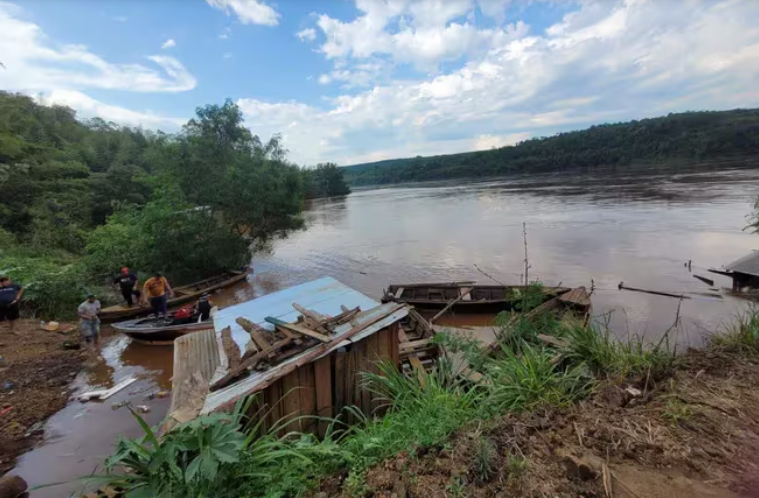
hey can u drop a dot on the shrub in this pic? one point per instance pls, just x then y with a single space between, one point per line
519 382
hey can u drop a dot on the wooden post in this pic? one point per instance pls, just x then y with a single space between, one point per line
467 291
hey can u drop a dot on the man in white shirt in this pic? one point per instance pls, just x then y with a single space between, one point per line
88 313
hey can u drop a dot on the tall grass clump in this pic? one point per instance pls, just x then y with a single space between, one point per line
533 378
422 409
741 335
606 356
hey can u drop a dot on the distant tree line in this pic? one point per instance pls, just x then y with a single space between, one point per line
689 136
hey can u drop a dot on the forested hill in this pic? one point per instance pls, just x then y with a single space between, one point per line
690 136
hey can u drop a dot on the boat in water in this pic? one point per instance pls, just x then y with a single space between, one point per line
464 297
162 331
182 295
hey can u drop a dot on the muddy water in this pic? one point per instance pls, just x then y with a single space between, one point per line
640 229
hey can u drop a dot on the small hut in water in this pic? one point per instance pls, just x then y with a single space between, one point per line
744 272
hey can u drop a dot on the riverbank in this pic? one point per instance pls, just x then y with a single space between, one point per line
35 372
694 434
581 414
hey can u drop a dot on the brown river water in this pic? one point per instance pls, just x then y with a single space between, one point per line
641 229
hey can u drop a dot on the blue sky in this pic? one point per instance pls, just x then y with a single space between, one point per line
353 81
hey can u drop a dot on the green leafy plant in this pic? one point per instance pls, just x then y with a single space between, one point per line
484 462
677 412
533 378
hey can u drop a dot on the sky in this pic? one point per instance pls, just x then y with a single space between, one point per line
365 80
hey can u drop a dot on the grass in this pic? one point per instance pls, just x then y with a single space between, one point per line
606 356
419 412
741 335
533 378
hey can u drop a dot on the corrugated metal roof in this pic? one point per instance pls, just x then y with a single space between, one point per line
323 296
196 352
253 383
747 264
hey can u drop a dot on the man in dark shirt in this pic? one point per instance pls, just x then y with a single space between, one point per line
127 283
10 296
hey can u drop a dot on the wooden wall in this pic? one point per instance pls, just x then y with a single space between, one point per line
324 387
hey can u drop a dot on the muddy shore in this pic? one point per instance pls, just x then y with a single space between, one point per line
692 435
35 372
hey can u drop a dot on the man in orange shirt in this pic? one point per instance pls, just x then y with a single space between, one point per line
155 290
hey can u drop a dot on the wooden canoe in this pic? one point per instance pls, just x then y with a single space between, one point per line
158 331
486 299
183 295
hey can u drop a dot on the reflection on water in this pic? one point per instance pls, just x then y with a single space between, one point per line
638 228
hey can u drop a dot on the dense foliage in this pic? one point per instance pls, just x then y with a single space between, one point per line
325 180
190 204
690 136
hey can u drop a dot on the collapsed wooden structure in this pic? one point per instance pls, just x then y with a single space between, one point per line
302 350
744 272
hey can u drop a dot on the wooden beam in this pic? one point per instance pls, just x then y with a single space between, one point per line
298 329
256 334
467 291
312 318
399 292
231 349
411 345
251 362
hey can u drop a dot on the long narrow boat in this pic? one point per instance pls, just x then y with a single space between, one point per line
182 295
157 331
464 297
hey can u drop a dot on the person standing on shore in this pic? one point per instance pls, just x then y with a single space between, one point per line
10 297
88 313
155 289
127 283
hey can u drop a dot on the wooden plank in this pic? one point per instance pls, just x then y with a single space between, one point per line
412 345
312 318
246 364
417 366
307 398
298 329
339 381
273 404
291 400
323 385
351 318
232 350
368 365
462 295
257 334
399 292
421 323
395 331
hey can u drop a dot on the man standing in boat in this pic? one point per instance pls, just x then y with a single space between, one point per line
127 283
88 314
155 289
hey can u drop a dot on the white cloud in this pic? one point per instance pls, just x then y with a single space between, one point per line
324 79
87 107
248 11
419 32
225 34
484 142
34 62
169 43
606 61
308 34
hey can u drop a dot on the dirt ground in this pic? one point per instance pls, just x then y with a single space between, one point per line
35 372
695 435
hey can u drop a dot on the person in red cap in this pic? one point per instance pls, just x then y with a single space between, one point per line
127 283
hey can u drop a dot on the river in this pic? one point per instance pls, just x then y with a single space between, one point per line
582 229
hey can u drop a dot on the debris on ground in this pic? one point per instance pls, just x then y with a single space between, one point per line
12 487
143 408
34 383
